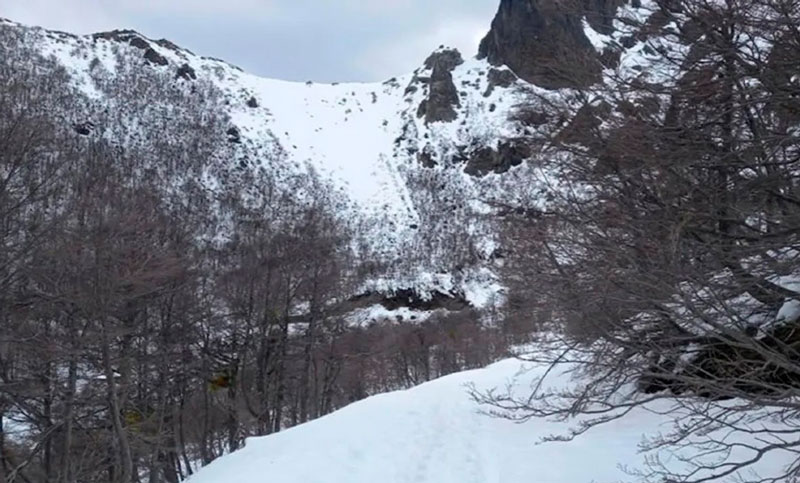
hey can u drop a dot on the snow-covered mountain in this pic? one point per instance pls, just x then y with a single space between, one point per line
424 166
373 140
424 158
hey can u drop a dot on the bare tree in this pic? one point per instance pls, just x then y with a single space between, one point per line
666 257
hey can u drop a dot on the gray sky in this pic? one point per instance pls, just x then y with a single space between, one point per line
320 40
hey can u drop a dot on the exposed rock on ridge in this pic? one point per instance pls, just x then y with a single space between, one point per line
508 154
544 43
442 94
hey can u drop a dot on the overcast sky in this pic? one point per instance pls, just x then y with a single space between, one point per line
320 40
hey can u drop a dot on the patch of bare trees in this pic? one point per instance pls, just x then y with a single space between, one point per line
667 257
150 322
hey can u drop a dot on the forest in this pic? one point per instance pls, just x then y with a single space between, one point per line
153 320
151 324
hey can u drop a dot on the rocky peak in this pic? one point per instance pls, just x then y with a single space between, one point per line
544 43
444 59
137 40
131 37
442 99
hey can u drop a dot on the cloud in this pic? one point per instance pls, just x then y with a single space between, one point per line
322 40
199 7
67 15
401 55
85 16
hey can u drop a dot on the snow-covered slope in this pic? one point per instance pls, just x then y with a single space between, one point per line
373 141
435 433
422 158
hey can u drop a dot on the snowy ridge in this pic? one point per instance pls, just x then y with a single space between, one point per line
405 176
366 137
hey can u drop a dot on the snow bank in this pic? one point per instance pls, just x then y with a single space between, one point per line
435 434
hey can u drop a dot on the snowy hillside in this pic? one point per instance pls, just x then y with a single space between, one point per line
423 158
435 433
374 141
198 256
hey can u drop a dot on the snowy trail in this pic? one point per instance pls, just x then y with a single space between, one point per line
434 434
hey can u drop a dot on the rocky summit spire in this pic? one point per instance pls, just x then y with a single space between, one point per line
543 41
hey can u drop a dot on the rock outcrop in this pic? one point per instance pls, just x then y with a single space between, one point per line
485 160
442 98
544 43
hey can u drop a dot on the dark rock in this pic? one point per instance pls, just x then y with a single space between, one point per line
121 35
600 14
442 101
252 103
136 40
627 41
722 367
186 72
425 158
582 129
154 57
485 160
422 110
610 57
531 116
499 78
84 128
140 43
446 59
692 30
543 41
407 298
234 136
171 46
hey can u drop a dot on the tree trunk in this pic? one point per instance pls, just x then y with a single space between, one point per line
124 458
65 471
3 458
305 374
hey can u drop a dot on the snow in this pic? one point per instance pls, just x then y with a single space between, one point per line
378 313
484 290
343 130
599 41
363 137
435 433
789 312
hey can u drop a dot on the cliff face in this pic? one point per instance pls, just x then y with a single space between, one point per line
544 41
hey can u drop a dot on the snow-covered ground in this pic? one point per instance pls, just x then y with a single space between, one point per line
435 433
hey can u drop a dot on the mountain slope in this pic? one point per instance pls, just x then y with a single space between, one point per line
423 159
379 143
435 434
